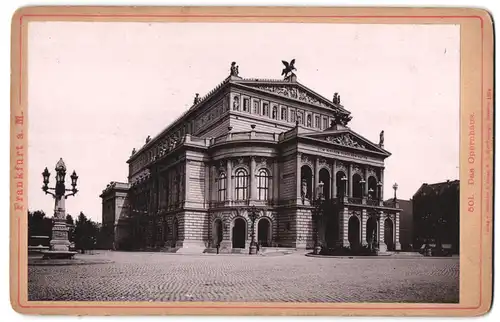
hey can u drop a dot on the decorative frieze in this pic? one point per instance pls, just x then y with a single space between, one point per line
293 92
345 139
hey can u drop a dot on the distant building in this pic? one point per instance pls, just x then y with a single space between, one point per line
436 214
273 144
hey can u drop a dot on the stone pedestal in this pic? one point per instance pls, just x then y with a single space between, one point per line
59 245
60 241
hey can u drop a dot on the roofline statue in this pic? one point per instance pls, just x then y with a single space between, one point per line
234 69
289 68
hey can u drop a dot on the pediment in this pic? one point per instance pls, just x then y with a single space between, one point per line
294 91
350 139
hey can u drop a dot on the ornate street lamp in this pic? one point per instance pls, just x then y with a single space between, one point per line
253 214
59 245
317 213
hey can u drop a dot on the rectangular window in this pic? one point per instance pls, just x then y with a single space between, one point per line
256 109
292 116
265 109
222 186
284 114
325 123
246 102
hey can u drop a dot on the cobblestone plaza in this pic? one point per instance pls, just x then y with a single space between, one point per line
143 276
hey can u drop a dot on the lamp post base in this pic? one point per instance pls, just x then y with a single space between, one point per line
253 249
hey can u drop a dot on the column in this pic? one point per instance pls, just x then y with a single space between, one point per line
314 195
275 181
297 176
382 186
253 184
229 183
366 183
364 219
333 186
397 244
381 232
349 180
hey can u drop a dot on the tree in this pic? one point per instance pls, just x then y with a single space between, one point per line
39 224
71 225
86 233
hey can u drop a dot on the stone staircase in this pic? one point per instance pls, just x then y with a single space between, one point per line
264 251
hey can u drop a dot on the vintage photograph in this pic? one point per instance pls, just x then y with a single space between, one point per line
243 162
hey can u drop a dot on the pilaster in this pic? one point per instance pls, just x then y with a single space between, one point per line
229 183
397 244
275 181
381 233
364 220
253 183
344 228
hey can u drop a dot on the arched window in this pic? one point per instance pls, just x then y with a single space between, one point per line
309 121
263 184
221 185
241 184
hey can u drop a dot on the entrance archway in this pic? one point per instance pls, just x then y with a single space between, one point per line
324 176
239 233
264 232
389 234
353 233
217 232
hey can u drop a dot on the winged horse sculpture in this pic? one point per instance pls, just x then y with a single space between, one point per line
289 68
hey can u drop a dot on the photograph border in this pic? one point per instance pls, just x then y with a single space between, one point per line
476 102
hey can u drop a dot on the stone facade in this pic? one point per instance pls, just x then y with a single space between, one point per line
272 144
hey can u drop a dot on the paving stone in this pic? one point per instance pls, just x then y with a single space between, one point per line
289 278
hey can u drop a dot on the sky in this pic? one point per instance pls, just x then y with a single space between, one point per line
96 90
